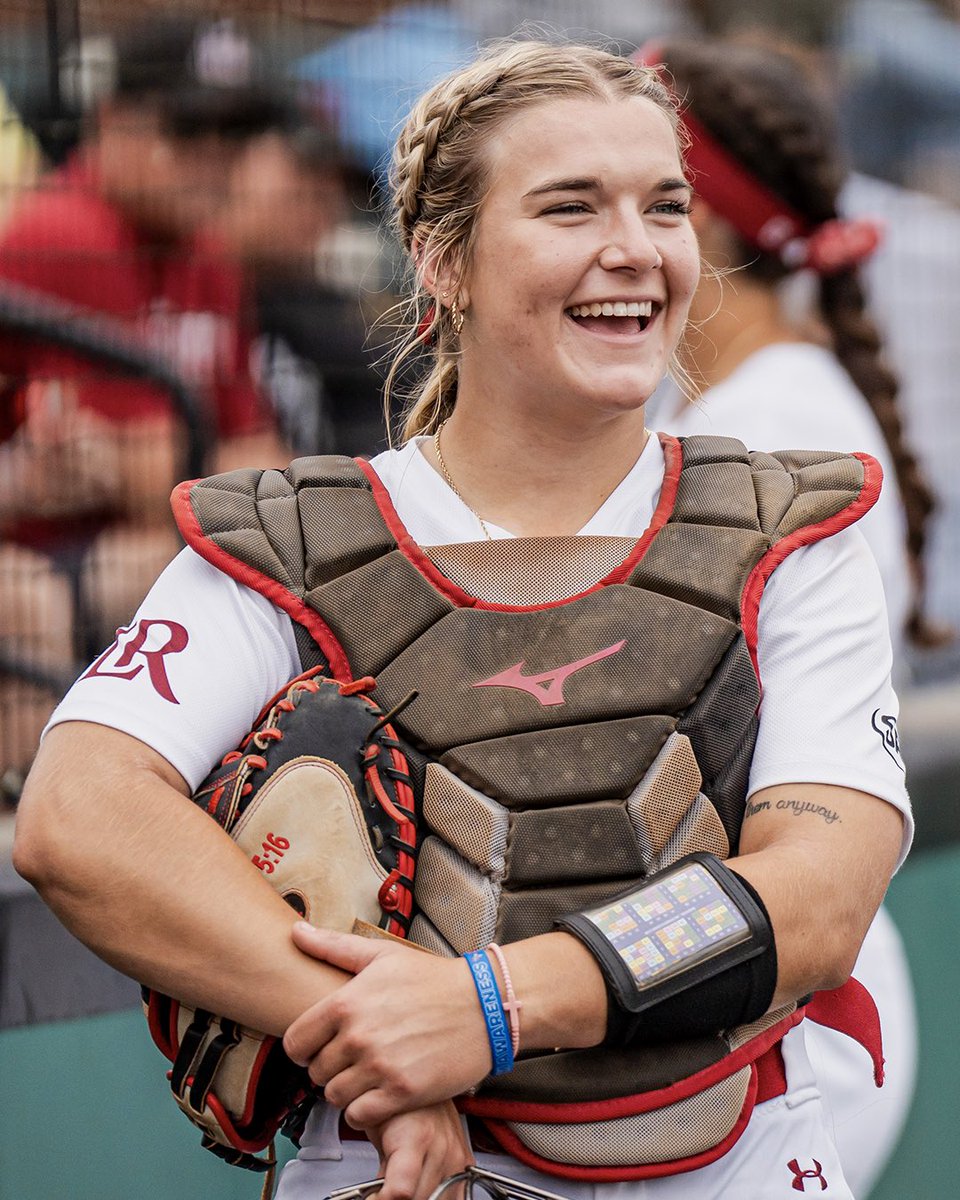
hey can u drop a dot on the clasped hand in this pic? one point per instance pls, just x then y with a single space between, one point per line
406 1032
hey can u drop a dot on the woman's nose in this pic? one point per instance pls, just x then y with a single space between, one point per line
630 247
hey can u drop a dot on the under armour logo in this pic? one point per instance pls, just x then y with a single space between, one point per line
547 688
886 727
151 641
800 1177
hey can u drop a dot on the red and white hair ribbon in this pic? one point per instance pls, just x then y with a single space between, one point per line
841 244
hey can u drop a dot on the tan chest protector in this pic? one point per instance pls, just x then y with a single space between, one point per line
587 710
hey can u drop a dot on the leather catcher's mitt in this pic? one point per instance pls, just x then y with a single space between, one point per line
319 796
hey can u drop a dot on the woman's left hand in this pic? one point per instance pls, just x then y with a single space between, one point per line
404 1033
419 1150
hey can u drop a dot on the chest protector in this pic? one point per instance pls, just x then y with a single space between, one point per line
586 709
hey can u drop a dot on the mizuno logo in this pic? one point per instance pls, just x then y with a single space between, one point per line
547 688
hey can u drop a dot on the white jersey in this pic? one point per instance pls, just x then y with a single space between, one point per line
203 654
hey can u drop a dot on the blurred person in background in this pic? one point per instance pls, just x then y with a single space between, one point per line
288 203
900 90
768 173
87 459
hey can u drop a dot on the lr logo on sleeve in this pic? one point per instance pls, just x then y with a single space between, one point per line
145 644
886 727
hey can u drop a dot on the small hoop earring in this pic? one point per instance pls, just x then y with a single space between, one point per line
456 316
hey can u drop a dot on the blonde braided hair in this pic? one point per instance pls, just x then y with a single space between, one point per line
439 178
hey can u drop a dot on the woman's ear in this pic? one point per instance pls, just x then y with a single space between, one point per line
440 276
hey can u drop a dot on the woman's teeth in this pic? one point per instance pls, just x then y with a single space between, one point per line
614 308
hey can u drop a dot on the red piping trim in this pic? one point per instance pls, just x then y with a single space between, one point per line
771 1074
757 579
252 1144
282 597
155 1025
254 1082
463 599
512 1144
630 1106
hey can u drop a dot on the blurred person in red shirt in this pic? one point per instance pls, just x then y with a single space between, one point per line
123 231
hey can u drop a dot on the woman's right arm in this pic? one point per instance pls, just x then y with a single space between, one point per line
108 836
106 830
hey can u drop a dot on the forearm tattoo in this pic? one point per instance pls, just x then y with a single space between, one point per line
797 807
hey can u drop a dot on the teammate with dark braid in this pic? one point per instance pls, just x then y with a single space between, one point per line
770 210
768 175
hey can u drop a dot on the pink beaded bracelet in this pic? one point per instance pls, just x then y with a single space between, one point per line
511 1005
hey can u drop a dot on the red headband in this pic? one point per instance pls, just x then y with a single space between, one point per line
757 213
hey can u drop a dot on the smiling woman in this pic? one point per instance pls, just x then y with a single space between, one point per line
608 231
567 194
632 876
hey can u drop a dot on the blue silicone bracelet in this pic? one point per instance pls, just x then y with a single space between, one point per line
498 1031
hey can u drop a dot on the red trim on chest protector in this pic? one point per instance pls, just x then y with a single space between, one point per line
462 599
512 1144
275 592
767 1081
757 579
573 1113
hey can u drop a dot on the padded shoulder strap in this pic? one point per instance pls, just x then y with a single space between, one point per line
284 533
736 509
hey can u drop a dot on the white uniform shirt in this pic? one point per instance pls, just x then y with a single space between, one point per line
203 654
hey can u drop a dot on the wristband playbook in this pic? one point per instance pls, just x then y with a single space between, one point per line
681 927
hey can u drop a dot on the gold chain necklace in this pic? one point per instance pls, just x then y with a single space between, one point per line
453 487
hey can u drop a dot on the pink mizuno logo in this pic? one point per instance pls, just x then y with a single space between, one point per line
547 687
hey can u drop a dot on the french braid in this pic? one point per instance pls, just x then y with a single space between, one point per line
761 108
439 179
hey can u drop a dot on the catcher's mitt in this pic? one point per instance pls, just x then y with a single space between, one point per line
319 795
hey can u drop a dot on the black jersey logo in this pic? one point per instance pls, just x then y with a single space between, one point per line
886 727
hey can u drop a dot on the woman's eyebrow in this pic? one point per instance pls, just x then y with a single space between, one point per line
565 185
592 184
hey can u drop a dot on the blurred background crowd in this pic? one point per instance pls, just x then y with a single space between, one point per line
207 187
195 273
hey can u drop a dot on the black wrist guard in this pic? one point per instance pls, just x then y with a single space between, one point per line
688 953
